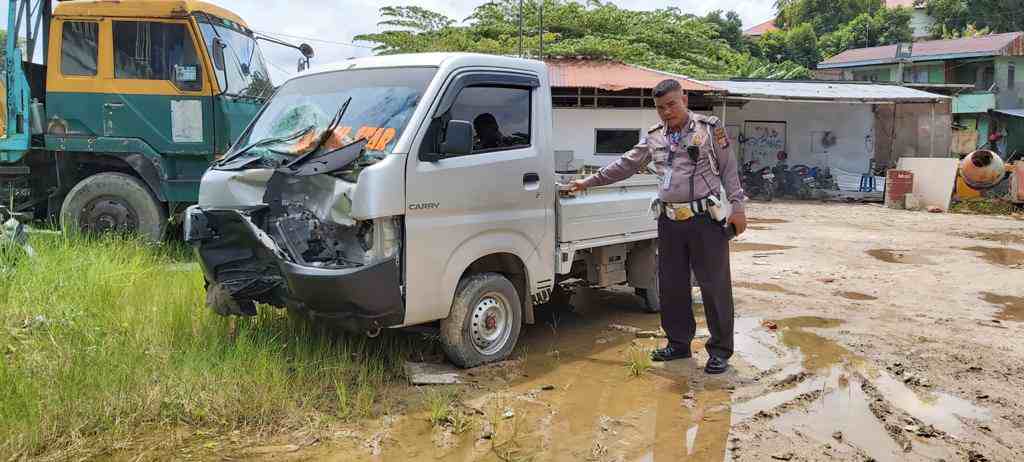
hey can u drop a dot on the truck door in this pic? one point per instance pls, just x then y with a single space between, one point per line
160 94
490 201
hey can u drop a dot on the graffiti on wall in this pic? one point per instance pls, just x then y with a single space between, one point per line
763 140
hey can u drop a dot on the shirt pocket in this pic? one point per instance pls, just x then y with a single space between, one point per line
660 155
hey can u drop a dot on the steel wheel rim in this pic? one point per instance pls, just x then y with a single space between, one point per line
491 323
108 214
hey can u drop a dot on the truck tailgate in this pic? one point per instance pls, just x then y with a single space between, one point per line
608 211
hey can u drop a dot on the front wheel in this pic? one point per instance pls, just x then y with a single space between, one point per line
113 202
484 322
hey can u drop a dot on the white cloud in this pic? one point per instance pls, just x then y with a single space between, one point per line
340 20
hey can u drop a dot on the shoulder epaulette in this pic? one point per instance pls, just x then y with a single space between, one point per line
655 128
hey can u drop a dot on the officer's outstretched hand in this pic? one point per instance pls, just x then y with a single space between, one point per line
739 220
576 186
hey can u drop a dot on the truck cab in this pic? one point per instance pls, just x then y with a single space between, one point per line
404 190
131 104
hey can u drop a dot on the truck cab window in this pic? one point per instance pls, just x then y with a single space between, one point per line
78 48
156 51
500 116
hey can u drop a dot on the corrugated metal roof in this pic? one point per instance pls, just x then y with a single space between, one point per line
989 45
1010 112
825 91
761 29
611 75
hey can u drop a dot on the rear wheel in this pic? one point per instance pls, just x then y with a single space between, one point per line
113 202
485 321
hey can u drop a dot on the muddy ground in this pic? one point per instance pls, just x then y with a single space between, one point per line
862 333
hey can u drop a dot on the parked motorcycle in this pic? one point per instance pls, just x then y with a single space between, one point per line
759 184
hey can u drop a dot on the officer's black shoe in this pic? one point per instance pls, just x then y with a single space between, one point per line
670 353
716 365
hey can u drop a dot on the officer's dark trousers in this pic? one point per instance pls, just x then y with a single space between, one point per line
702 243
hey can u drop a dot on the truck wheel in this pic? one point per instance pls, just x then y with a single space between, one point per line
113 202
485 321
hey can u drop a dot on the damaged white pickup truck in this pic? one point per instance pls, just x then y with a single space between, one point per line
394 191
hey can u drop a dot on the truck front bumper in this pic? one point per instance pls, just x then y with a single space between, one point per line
250 267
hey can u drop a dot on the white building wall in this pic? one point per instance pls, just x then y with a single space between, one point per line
852 125
575 129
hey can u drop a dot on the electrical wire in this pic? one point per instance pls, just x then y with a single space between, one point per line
332 42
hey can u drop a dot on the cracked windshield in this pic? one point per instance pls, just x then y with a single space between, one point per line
379 104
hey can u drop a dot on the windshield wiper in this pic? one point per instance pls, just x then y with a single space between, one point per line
335 122
268 141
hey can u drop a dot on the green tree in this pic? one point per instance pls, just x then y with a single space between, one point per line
954 17
802 45
666 39
730 28
885 27
825 16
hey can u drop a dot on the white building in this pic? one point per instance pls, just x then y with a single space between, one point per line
602 108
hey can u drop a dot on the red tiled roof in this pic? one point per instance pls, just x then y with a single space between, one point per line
989 45
611 75
761 29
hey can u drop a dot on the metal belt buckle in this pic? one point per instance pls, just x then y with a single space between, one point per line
679 212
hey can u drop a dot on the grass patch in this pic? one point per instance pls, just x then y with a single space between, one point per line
104 340
440 404
638 361
984 206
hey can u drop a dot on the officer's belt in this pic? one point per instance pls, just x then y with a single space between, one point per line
682 211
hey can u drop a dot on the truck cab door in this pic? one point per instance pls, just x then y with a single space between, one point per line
494 200
161 95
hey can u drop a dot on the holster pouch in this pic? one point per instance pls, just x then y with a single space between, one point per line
719 209
656 209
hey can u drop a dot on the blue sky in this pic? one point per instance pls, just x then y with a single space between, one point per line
334 23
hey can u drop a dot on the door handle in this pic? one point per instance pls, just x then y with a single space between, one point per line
113 105
529 178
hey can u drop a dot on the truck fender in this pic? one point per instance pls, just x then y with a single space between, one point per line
148 168
477 250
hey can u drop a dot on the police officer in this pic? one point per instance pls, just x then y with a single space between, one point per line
693 160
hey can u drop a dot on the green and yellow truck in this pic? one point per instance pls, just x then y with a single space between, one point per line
132 101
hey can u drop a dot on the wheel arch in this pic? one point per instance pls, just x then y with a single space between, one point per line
145 167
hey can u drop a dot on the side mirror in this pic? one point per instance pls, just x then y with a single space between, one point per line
306 50
458 139
218 54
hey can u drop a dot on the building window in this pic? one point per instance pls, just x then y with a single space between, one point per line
987 78
78 48
1011 76
500 116
615 142
915 75
156 51
634 98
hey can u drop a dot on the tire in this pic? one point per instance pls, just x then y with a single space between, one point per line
480 299
651 298
113 202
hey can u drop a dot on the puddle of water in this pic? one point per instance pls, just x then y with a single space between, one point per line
595 411
760 228
937 409
1013 307
756 247
856 296
999 255
899 256
819 353
764 287
1005 237
843 407
766 221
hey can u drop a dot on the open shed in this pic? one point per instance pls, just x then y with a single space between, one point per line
849 126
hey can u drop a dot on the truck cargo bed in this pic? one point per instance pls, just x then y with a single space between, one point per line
608 214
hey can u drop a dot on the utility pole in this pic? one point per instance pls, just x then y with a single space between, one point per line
542 29
520 28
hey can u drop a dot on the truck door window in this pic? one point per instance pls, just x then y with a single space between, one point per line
156 51
500 116
78 47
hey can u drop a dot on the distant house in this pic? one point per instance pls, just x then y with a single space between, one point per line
981 73
920 22
757 31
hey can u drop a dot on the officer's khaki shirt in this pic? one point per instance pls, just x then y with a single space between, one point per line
675 177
